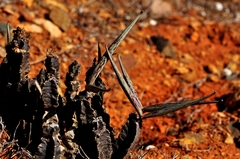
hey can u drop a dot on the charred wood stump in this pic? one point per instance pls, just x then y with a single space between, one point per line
42 124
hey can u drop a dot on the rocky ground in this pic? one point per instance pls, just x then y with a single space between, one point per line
178 50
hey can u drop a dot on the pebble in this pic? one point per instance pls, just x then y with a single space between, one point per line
104 14
196 25
186 157
213 69
60 18
55 4
218 6
32 28
150 147
182 70
189 77
158 8
29 3
186 58
163 46
54 31
194 37
233 67
236 58
193 138
229 139
153 22
213 78
226 72
166 83
28 15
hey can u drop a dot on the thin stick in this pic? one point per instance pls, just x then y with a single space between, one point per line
16 130
2 125
133 98
111 49
8 33
30 133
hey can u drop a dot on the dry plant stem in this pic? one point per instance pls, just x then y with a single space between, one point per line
111 49
154 110
16 131
162 109
8 33
127 85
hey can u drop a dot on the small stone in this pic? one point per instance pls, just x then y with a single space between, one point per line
54 31
229 139
227 72
218 6
164 46
195 25
152 22
159 8
194 37
125 52
203 53
28 2
212 69
186 157
166 144
182 70
233 67
150 147
221 114
204 126
60 18
192 138
236 58
188 77
104 14
213 78
198 138
186 58
28 15
51 4
167 83
32 28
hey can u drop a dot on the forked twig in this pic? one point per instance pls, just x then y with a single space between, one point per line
127 85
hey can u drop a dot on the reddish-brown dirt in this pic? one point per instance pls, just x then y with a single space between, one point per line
204 48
